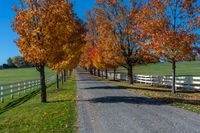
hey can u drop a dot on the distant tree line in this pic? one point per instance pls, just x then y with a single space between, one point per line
16 62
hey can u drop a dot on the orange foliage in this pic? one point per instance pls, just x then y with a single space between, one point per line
172 34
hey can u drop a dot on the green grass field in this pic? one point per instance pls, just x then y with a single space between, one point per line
28 115
15 75
183 68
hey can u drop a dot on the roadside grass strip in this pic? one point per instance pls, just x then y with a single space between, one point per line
27 114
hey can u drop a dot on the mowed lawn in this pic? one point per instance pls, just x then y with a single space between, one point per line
15 75
183 68
28 115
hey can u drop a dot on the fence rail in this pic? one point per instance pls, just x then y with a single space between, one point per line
19 88
189 82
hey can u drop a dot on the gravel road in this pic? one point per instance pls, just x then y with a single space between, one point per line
104 108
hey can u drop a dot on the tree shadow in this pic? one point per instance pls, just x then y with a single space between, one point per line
88 79
18 101
116 80
151 89
170 100
126 99
60 101
143 100
108 87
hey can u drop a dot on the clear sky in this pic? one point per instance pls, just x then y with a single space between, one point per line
7 36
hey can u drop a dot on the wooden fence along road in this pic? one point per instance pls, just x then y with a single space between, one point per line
188 82
18 88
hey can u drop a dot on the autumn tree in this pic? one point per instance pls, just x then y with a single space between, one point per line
69 38
171 29
91 39
109 55
20 62
117 25
86 58
36 25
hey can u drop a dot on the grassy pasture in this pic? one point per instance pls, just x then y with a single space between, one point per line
16 75
183 68
27 114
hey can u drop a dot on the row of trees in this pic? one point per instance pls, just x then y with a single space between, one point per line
16 62
122 33
50 34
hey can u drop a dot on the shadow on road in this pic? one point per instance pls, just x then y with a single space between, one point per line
108 87
170 100
126 99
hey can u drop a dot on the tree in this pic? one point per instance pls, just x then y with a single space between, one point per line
70 32
19 62
10 63
36 25
171 28
116 24
108 55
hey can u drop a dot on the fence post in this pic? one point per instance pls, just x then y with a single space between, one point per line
145 79
11 92
19 89
189 81
33 85
24 87
2 97
29 85
38 84
160 80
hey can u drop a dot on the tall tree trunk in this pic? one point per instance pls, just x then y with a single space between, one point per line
41 69
64 75
91 72
106 74
57 81
95 72
114 74
130 73
173 76
70 72
98 71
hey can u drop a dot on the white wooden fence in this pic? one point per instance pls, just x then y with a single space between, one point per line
19 88
188 82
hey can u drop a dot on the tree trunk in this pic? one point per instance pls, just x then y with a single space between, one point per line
130 74
70 72
57 81
114 74
91 72
173 76
95 72
64 75
41 69
106 74
98 71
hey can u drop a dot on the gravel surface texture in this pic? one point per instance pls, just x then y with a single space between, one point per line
104 108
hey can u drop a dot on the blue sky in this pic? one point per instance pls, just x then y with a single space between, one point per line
7 36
